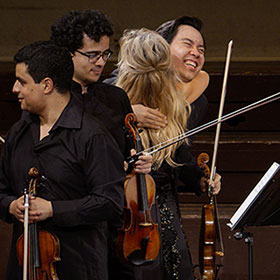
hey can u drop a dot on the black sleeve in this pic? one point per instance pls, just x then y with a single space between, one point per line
6 193
103 168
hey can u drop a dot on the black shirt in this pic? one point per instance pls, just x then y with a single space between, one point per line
84 181
109 104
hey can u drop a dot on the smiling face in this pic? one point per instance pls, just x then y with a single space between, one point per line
30 94
86 72
187 51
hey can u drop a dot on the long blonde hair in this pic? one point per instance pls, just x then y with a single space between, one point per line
145 73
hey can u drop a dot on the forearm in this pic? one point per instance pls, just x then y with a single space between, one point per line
86 211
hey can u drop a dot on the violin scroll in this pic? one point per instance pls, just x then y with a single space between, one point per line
202 161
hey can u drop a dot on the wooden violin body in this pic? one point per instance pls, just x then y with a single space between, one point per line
138 239
141 239
207 242
208 231
49 249
43 247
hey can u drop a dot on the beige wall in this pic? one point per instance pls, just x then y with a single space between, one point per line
253 25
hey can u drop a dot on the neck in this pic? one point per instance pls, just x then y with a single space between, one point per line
189 91
52 112
83 86
183 87
84 89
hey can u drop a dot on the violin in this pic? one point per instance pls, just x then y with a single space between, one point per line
37 250
209 220
138 239
209 229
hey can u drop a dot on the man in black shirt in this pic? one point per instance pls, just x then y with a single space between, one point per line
86 34
81 163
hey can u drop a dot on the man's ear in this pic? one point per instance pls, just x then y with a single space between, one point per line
47 84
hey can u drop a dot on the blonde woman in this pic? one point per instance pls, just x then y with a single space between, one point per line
187 47
146 74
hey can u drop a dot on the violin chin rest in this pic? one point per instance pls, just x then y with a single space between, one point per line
137 257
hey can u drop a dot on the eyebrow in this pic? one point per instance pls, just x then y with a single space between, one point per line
191 41
93 52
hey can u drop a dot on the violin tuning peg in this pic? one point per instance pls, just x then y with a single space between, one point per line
42 181
43 178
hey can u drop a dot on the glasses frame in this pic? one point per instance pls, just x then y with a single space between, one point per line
92 58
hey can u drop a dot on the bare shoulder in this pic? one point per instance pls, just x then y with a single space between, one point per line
202 77
197 86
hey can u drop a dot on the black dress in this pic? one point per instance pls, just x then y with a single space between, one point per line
174 260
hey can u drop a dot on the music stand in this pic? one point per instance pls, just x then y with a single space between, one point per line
260 208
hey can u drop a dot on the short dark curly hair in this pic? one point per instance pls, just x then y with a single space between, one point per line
69 30
45 59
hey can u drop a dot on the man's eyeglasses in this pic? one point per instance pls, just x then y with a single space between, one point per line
95 56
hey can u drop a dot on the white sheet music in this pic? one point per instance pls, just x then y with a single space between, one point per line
254 194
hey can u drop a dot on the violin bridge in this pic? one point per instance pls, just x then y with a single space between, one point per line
145 224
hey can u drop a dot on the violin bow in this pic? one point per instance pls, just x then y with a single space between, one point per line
195 130
25 236
218 128
216 143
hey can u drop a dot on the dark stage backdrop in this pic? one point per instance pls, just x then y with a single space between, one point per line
249 144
